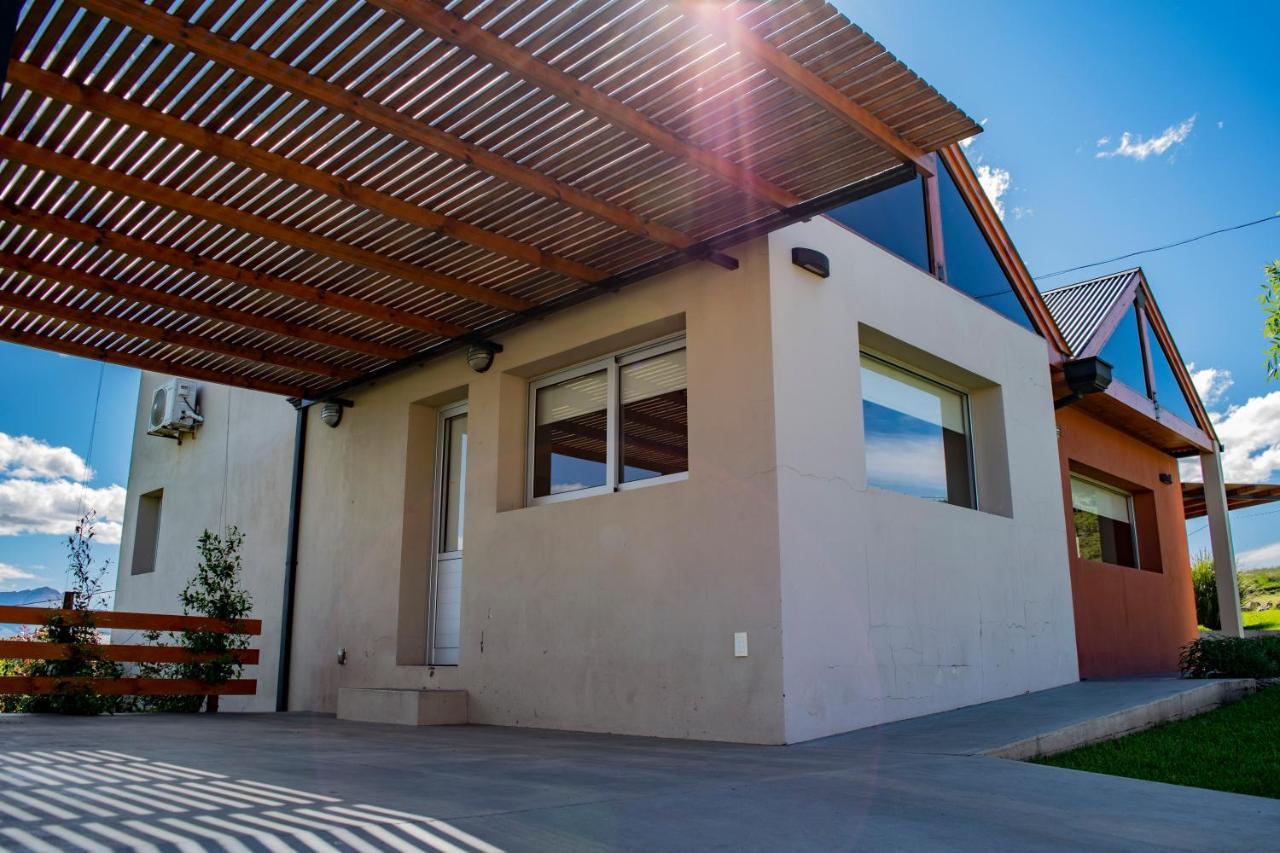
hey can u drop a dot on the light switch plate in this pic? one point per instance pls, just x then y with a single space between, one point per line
740 644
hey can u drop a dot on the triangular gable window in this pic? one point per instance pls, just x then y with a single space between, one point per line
1168 392
1123 351
971 265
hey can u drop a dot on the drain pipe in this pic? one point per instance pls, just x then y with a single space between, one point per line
291 555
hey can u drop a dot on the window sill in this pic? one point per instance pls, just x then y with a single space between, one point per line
605 490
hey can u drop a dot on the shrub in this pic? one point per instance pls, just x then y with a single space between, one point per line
1205 586
1231 657
79 633
215 592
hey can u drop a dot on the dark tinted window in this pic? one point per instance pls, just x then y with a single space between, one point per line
1124 352
892 218
1168 393
971 266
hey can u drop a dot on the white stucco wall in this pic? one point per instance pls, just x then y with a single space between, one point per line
234 471
894 606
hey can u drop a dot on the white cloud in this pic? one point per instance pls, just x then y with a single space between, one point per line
54 507
995 183
1259 558
1137 148
1211 383
1220 124
31 458
1250 432
10 575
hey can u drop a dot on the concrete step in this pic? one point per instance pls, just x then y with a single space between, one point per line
403 707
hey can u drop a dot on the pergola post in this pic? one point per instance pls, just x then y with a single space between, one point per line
1224 553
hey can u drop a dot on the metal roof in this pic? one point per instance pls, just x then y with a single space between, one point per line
291 195
1079 309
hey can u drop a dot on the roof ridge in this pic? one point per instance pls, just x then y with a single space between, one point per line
1129 271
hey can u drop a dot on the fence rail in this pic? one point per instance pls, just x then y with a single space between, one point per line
59 618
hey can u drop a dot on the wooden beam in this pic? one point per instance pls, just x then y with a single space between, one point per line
506 56
157 365
11 614
807 83
119 242
120 652
192 340
44 685
192 205
102 103
147 19
200 307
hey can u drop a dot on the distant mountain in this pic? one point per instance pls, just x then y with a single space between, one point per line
40 596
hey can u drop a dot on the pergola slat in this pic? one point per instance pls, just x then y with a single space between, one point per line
103 103
199 307
126 244
810 84
100 320
84 170
150 20
458 31
143 362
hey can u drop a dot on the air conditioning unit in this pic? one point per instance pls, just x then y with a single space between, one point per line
175 409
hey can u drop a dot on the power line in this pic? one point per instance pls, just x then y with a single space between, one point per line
1160 248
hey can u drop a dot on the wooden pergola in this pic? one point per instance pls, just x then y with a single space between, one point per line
298 196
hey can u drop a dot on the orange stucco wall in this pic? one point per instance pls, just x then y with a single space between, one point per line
1129 621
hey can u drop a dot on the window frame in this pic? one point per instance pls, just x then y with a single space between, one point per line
965 413
611 364
1133 520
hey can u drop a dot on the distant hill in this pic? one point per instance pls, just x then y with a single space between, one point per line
41 596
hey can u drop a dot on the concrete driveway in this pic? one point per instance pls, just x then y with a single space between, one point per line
282 782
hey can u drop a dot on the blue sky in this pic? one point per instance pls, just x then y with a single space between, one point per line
1050 80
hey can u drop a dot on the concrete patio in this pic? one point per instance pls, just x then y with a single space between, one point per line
281 782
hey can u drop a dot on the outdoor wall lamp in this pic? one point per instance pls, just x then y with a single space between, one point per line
331 411
811 260
1084 376
480 356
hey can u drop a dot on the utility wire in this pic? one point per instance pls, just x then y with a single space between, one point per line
1160 248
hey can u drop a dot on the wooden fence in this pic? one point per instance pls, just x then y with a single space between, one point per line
124 653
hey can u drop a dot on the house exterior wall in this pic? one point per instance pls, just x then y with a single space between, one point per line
609 613
894 606
1129 621
234 471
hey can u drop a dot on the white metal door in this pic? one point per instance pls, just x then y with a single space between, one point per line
451 493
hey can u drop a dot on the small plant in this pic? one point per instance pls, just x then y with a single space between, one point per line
77 633
1270 299
215 591
1204 584
1231 657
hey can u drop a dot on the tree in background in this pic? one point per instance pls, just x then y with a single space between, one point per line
1270 299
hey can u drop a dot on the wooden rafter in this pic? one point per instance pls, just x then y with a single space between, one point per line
801 79
458 31
35 79
142 362
200 307
191 340
150 20
108 179
128 245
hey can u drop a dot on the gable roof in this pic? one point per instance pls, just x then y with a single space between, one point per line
292 196
1089 312
1080 309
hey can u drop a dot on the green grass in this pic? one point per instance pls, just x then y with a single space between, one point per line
1262 620
1233 748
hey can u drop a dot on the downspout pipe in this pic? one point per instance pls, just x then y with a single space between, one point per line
291 554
